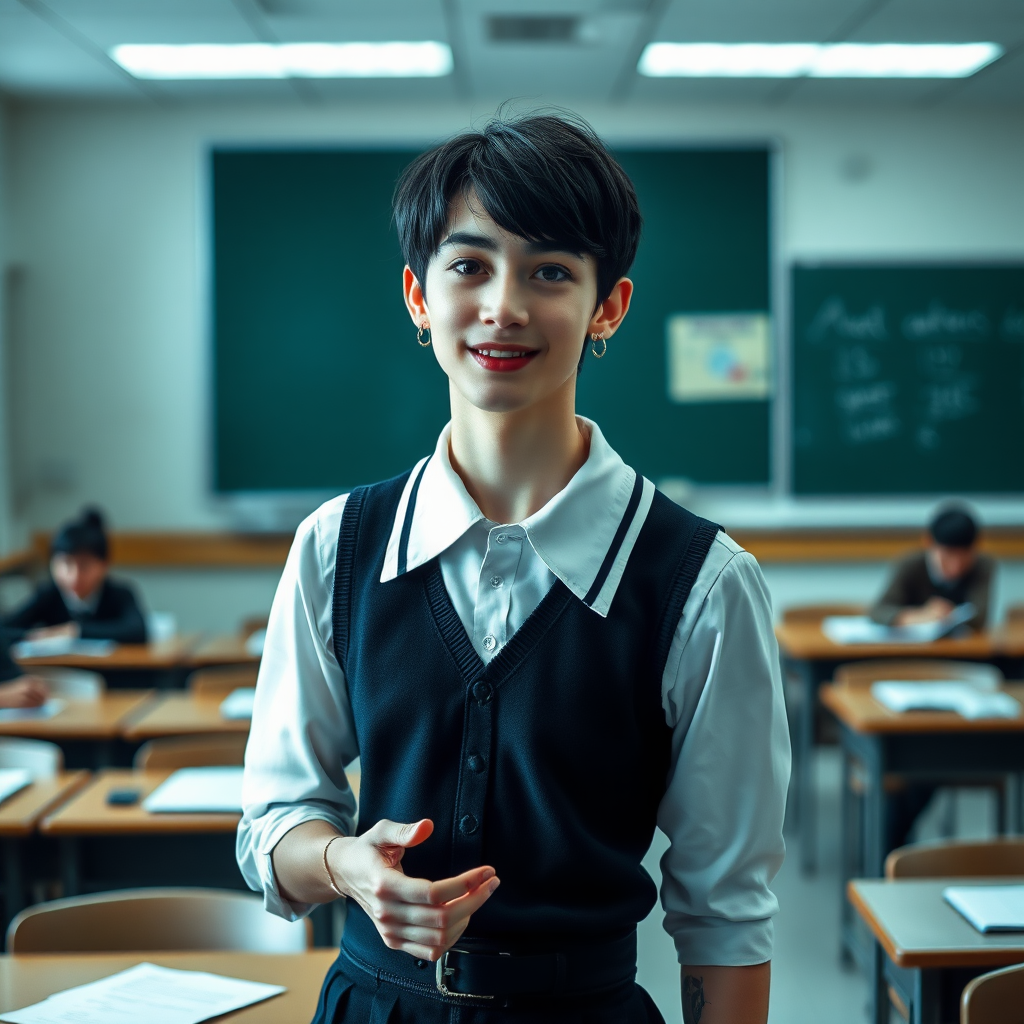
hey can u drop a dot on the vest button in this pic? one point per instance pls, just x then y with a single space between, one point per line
421 964
490 642
476 763
483 691
468 824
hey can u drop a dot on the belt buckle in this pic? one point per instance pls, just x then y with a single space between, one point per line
444 971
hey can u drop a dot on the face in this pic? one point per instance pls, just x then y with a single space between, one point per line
80 574
952 563
508 317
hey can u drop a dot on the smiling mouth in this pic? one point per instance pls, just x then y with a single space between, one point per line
503 359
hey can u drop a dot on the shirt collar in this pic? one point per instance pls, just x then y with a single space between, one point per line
584 534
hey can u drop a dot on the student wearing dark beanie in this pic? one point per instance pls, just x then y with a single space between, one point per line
80 599
929 584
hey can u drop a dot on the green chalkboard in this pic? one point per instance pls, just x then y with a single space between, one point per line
908 379
318 381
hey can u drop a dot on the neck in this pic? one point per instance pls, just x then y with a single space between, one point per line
514 463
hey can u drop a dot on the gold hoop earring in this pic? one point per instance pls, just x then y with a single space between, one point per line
594 339
419 336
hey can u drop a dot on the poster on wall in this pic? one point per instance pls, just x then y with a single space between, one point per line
715 357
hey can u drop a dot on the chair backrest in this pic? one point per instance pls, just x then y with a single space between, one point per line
73 683
42 759
150 919
192 751
817 612
221 681
985 859
994 998
864 673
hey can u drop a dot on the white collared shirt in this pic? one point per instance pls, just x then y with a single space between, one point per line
721 690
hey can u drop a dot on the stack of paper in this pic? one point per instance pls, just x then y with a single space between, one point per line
859 629
990 908
944 695
57 646
12 780
238 703
156 995
47 709
198 790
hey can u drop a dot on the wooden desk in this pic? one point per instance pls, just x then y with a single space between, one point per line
100 719
923 947
28 978
181 714
222 650
19 815
156 849
811 658
923 745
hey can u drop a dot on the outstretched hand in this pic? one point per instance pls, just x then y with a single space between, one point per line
420 917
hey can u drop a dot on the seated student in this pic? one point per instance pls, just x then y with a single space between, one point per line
929 584
80 600
18 690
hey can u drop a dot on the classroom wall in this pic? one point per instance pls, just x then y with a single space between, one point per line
106 231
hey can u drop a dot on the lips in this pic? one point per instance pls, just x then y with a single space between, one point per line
502 358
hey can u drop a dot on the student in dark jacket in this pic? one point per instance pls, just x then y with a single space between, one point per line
80 599
17 689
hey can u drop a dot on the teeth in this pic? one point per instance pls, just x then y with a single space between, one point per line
498 353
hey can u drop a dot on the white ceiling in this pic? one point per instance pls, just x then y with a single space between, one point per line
58 47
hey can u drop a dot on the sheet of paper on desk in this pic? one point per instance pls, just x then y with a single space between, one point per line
54 706
12 780
202 790
238 703
990 908
859 629
944 695
58 646
155 995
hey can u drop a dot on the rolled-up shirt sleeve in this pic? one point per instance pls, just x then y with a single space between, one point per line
725 801
302 735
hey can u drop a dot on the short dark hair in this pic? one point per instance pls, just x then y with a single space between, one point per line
85 535
541 176
953 527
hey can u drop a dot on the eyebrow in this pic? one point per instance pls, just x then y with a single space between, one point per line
537 247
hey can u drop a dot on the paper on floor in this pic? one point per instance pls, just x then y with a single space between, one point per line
54 706
12 780
238 703
944 695
156 995
990 908
189 790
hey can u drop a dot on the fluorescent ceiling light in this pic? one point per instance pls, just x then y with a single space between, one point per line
816 60
285 60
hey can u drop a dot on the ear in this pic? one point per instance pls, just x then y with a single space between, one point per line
414 298
613 310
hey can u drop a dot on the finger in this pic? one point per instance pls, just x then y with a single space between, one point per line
464 907
443 916
446 889
404 834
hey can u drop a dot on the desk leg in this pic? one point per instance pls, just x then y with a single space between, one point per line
875 830
927 1007
69 865
14 900
879 994
849 840
806 795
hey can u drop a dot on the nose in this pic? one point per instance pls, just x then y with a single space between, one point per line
503 302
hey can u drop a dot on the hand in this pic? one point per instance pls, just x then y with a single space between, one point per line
420 917
71 630
24 692
933 610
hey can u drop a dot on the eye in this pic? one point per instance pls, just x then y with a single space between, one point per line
466 267
553 272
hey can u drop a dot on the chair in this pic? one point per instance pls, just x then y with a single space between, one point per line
817 612
994 998
864 673
42 759
1002 857
191 751
137 920
72 683
221 681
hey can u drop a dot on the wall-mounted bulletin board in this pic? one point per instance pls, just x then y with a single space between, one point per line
319 384
908 379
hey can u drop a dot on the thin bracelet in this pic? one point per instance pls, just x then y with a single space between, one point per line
327 867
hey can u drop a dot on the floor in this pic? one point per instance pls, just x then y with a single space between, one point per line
809 986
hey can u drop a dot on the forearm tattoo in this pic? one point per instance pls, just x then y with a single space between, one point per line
693 999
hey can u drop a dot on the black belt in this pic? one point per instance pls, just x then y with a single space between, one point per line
491 970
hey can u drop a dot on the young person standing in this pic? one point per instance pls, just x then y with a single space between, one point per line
537 657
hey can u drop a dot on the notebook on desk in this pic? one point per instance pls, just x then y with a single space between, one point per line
59 646
13 780
990 908
198 790
859 629
964 698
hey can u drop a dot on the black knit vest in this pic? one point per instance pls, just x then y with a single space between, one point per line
548 763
